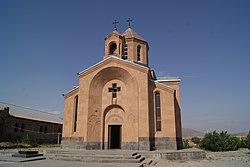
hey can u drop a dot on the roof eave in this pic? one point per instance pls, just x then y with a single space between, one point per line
169 80
161 84
112 57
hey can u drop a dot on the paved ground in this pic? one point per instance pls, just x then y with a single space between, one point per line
51 163
240 158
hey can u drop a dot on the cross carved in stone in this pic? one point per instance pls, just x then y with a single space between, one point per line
114 89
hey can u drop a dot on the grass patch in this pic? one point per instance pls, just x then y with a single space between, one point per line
16 145
25 142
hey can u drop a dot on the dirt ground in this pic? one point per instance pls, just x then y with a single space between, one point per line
240 158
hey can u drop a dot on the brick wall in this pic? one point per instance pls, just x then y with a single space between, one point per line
13 128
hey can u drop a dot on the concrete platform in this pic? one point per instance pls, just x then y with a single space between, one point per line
14 155
27 154
183 154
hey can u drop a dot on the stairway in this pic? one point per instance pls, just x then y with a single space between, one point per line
98 156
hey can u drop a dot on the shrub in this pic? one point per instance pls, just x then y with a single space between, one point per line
196 140
220 142
26 139
185 143
243 143
247 140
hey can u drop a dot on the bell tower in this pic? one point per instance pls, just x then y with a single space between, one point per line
127 46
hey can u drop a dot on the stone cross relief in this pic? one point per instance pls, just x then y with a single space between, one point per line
114 89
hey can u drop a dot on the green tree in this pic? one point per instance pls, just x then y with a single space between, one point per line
196 140
220 142
247 140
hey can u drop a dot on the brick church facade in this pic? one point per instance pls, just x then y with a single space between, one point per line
121 104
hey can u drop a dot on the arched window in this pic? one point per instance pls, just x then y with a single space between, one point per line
76 109
41 129
45 130
125 56
16 127
138 53
22 128
158 111
112 48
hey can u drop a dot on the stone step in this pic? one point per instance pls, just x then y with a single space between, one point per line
91 152
147 162
99 160
98 156
95 156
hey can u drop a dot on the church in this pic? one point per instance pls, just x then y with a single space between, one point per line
120 103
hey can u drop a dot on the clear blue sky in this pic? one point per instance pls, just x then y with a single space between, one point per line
44 43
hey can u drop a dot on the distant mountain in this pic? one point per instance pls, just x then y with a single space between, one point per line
186 132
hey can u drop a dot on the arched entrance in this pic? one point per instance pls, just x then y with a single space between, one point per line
113 124
103 112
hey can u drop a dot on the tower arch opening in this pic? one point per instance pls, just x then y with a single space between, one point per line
138 53
112 48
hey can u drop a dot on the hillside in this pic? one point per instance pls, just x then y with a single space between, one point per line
186 132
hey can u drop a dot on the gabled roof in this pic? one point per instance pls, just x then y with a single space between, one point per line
130 33
116 58
32 114
113 32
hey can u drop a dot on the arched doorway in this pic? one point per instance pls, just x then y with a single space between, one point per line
99 109
113 124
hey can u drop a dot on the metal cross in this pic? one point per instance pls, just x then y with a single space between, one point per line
115 22
129 21
114 90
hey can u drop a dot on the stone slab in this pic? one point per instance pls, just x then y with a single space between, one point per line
18 159
26 155
27 152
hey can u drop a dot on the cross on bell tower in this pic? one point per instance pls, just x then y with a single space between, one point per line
115 22
114 89
129 21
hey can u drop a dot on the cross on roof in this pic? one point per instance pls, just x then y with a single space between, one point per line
115 22
114 90
129 21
